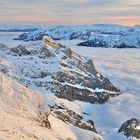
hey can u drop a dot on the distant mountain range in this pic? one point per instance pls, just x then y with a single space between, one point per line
102 35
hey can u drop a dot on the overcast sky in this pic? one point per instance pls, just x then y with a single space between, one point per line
125 12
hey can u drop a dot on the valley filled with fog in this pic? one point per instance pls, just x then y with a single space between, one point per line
122 67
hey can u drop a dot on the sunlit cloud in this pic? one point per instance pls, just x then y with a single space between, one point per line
125 12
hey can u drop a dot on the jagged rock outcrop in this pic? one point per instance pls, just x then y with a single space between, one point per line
78 79
43 118
20 50
69 116
50 43
131 128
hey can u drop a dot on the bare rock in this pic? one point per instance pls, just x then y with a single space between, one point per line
50 43
69 53
20 50
130 128
68 116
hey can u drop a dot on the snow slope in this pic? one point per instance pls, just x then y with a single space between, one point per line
18 109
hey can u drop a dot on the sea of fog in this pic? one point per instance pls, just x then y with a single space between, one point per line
122 67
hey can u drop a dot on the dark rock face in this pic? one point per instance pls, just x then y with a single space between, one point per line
83 83
129 128
29 37
123 45
100 43
93 43
71 93
20 50
3 69
68 116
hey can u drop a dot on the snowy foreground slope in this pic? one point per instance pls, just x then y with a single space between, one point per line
47 70
19 108
114 36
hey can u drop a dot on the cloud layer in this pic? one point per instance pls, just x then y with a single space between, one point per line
126 12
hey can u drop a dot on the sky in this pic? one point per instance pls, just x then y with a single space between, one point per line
70 12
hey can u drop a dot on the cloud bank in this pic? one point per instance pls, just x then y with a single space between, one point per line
125 12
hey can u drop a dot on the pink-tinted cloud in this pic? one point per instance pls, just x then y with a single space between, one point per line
126 12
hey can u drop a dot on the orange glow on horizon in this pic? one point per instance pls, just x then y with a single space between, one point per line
122 20
127 21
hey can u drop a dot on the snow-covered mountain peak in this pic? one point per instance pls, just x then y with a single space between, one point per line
50 43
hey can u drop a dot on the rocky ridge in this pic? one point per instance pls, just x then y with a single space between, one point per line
131 128
53 69
70 75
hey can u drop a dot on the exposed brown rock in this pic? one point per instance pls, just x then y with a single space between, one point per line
68 116
68 53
